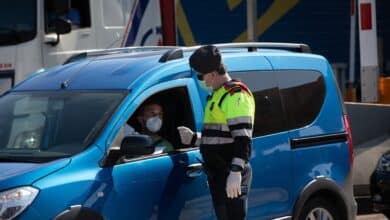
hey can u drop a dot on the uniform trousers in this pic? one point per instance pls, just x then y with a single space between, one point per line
226 208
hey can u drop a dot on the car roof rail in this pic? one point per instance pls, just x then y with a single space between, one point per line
253 46
172 54
102 52
75 57
177 53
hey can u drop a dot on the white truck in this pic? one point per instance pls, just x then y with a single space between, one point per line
37 34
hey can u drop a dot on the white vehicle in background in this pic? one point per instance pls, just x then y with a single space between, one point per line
36 34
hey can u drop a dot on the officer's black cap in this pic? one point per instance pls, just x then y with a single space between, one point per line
206 59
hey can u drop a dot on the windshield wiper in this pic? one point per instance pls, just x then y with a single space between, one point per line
31 159
18 160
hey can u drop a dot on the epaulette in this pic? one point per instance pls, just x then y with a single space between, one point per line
232 87
235 86
234 90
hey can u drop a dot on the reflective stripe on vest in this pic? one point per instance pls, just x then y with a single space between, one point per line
240 120
217 140
221 126
242 132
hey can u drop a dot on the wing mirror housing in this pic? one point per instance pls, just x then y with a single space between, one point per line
131 146
62 26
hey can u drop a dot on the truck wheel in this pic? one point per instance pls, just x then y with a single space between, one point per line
319 209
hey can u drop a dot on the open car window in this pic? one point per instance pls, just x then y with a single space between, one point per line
178 111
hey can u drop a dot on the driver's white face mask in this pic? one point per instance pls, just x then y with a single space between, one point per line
154 124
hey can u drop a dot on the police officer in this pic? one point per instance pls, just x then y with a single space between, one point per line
225 142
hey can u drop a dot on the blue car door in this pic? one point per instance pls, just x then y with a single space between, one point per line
270 195
166 185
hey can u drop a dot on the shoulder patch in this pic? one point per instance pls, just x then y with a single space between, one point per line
234 90
234 86
229 85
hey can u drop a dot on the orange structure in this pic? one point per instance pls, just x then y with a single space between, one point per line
384 90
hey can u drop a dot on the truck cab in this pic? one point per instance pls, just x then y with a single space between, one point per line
42 34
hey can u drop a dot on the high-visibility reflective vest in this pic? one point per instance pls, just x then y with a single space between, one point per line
228 125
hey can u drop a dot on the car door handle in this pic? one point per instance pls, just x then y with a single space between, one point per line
85 33
194 170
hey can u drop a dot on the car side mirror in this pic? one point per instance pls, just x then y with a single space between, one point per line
133 146
62 26
137 145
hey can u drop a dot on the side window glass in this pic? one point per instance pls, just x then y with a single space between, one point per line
302 93
269 117
158 116
77 12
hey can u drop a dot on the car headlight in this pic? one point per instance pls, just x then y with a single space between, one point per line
14 201
384 163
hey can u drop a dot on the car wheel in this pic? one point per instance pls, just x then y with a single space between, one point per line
319 209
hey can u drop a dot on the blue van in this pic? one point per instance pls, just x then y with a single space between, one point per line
63 155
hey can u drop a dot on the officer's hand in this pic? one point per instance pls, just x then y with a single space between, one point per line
233 185
186 135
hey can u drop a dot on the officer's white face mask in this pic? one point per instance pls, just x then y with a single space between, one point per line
202 81
203 85
154 124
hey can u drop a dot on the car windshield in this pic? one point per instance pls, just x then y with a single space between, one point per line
18 21
43 126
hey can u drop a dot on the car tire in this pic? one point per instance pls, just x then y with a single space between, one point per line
316 207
